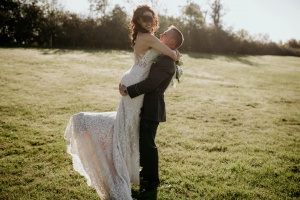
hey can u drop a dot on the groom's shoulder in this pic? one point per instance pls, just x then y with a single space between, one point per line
165 62
163 58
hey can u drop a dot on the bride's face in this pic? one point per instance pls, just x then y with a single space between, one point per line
146 21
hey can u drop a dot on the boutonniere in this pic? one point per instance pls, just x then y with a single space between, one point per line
179 70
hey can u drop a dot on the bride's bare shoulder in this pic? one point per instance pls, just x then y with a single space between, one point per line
145 36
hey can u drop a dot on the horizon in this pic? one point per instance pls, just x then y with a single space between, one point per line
238 15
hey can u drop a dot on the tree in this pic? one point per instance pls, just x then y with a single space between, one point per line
193 20
217 13
292 43
28 28
114 32
70 31
51 25
192 15
99 7
9 16
20 22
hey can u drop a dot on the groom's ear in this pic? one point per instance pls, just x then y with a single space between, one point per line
173 43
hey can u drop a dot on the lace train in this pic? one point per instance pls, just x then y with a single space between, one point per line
89 139
105 146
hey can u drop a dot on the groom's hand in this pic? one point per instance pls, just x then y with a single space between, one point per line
122 89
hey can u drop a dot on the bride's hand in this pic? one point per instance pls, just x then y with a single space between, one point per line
122 89
175 55
178 54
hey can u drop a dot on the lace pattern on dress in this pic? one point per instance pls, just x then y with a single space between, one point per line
105 146
146 59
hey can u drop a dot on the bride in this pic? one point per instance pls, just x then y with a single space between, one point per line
105 146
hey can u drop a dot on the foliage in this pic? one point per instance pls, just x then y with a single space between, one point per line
216 14
19 23
292 43
98 6
232 129
44 23
192 16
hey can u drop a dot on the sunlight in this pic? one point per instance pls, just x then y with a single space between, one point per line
279 20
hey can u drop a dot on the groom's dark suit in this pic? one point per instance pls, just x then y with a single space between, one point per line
152 112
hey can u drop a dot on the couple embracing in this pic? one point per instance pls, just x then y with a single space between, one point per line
109 148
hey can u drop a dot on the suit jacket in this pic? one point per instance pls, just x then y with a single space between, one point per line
154 87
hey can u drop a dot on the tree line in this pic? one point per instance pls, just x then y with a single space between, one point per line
43 23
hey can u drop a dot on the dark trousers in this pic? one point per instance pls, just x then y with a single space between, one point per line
148 150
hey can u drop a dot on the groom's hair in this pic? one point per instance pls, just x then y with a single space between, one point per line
178 36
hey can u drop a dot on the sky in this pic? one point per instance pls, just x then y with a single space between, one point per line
280 19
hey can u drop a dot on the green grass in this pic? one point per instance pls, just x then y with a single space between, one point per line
232 130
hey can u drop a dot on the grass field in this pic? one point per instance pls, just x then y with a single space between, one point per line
232 130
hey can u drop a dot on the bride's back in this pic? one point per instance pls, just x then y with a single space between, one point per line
141 46
144 56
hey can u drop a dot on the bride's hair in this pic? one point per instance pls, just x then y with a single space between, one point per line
136 27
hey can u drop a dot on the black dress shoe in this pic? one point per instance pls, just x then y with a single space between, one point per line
149 185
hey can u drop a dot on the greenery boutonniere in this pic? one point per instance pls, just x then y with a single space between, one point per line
179 70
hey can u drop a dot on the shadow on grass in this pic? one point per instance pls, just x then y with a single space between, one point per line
244 59
202 56
64 51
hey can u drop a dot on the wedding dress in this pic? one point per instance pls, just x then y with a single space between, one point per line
105 146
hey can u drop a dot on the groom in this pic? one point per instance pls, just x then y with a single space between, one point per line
153 110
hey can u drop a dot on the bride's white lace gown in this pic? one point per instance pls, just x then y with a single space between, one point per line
105 146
